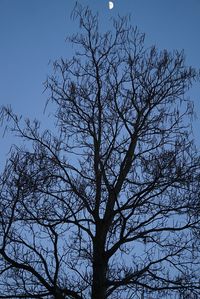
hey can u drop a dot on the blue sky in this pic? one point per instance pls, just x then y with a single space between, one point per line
33 32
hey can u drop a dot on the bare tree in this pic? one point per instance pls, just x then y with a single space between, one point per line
105 207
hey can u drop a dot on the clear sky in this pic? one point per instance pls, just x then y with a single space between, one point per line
32 32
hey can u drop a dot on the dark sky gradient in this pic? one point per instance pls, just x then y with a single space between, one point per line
32 32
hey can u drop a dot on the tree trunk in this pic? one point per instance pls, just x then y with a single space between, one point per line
60 296
99 267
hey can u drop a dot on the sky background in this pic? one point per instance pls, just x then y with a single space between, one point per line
32 33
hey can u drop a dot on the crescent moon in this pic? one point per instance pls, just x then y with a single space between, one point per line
110 5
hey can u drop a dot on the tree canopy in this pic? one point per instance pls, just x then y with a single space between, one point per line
107 205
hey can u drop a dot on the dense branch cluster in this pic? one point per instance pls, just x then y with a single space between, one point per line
108 206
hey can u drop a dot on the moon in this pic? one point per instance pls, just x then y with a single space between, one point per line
110 5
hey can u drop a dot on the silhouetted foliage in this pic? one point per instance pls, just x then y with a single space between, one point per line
107 206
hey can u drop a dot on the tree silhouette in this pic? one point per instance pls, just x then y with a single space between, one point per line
106 206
